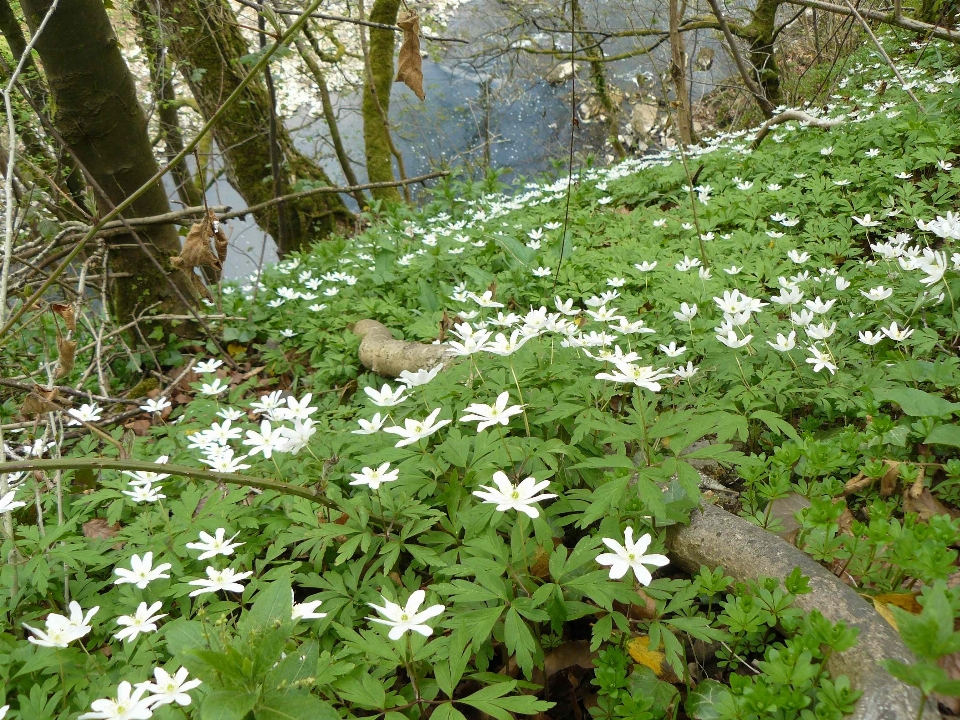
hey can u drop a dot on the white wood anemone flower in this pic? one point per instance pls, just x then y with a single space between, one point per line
408 617
490 415
630 556
521 497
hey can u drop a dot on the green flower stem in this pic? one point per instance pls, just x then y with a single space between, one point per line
526 423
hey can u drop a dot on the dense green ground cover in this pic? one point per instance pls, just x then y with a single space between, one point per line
796 308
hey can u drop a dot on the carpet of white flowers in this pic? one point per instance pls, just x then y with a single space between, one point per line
430 540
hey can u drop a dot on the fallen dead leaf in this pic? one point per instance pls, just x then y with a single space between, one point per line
140 427
926 505
99 529
857 483
639 649
888 483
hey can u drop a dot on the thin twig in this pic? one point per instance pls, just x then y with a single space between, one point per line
352 21
883 53
325 190
765 105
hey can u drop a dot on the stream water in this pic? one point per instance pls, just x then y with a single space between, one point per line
485 108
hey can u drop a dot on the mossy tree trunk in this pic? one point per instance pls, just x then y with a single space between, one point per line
54 159
378 82
760 33
165 99
95 109
205 37
598 76
678 72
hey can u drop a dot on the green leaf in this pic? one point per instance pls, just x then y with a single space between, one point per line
916 403
297 666
604 498
944 435
299 705
447 712
227 705
272 607
491 701
776 423
520 641
643 682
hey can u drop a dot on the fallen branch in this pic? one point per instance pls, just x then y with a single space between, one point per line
67 390
787 116
330 190
885 18
181 470
384 355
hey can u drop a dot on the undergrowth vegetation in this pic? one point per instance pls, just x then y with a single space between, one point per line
768 324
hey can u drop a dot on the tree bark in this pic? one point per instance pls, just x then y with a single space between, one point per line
598 76
165 99
678 72
205 35
97 112
378 82
57 161
762 55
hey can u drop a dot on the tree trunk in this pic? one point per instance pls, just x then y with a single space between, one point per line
205 35
57 162
598 75
97 112
762 55
378 82
165 99
307 46
678 72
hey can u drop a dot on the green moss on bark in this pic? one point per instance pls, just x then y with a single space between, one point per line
376 134
205 37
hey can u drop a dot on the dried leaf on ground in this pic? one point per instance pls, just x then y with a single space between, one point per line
639 649
410 64
99 529
926 505
784 509
576 652
888 483
41 400
857 483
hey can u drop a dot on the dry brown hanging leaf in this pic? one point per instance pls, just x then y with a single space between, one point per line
40 400
410 64
66 356
67 313
196 248
201 288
